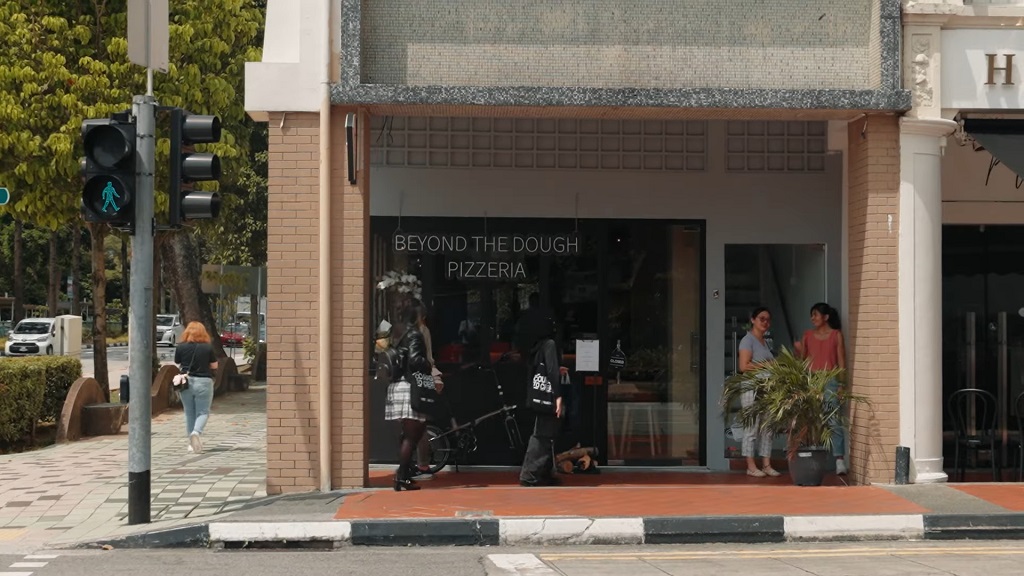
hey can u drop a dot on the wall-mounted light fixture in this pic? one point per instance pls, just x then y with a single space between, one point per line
350 138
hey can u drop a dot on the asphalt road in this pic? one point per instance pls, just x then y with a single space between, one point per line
117 361
987 558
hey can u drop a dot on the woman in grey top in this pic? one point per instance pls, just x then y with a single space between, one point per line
754 350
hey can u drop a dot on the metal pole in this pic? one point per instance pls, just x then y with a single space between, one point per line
141 330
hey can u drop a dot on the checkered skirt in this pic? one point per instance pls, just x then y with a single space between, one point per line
399 404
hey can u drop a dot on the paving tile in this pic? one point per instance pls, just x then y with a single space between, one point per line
80 488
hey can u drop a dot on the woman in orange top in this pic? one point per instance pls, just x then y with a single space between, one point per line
823 345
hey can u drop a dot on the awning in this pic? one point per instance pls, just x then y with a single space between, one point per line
1004 139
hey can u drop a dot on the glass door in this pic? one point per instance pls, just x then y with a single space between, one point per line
653 344
983 319
786 278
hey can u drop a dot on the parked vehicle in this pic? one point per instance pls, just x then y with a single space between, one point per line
168 329
32 337
234 334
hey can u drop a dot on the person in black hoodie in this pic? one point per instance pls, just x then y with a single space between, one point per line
538 464
412 352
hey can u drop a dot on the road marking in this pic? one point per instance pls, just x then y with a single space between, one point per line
40 556
517 565
15 574
28 565
761 554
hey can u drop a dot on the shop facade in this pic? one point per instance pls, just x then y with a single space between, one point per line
966 61
498 154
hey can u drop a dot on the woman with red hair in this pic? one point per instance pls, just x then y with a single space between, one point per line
194 356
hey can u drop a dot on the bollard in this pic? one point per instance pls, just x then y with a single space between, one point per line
902 465
124 389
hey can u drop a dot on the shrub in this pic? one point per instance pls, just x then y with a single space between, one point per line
22 387
61 373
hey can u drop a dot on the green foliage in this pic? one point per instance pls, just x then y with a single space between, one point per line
249 348
62 62
22 386
60 373
792 398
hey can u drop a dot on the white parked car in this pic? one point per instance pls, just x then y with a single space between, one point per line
168 329
32 337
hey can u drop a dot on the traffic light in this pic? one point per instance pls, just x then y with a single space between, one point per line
108 170
188 166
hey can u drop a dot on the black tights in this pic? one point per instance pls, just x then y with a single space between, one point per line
412 431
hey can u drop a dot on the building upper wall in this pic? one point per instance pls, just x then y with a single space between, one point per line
807 55
787 44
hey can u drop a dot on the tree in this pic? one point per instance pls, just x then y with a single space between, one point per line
61 62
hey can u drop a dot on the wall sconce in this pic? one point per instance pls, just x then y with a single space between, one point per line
350 129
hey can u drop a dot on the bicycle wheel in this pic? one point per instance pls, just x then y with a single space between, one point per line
440 448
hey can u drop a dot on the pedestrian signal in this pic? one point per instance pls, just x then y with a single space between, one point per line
108 170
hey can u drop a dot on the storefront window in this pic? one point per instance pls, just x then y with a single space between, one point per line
632 286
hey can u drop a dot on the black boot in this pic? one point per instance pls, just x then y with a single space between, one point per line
402 482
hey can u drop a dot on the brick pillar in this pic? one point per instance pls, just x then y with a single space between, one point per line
350 300
292 248
872 329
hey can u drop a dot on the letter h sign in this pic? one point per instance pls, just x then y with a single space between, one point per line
1007 69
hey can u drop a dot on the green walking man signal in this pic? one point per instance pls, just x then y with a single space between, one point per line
108 197
108 170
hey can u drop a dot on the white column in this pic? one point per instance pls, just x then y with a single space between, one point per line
920 294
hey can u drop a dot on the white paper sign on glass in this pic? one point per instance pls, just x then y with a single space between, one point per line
588 356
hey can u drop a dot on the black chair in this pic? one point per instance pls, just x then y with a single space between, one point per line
978 406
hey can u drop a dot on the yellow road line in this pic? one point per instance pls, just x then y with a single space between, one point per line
11 533
761 554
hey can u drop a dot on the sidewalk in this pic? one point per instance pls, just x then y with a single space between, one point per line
78 491
75 495
489 508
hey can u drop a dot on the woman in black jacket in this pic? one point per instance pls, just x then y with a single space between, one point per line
412 351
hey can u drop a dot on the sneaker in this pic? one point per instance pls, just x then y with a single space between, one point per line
190 450
195 443
841 469
755 473
769 471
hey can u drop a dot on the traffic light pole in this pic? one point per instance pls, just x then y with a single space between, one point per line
141 329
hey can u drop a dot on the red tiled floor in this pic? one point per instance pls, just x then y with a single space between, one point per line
1009 496
619 494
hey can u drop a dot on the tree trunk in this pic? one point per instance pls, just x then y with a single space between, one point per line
53 286
19 274
99 305
180 258
126 284
76 270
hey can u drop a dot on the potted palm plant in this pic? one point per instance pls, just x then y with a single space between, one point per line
792 399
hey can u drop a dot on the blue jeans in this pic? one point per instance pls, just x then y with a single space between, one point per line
196 401
838 432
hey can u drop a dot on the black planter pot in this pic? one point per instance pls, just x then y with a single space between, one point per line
807 466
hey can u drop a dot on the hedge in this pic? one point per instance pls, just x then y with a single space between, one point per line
60 372
22 386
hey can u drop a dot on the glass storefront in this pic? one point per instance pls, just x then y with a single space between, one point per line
627 297
983 319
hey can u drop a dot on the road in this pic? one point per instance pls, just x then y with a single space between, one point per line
988 558
117 361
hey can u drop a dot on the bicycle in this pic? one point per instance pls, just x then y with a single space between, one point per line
463 436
